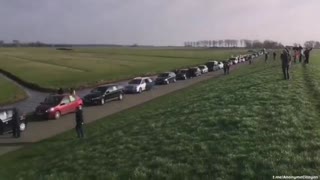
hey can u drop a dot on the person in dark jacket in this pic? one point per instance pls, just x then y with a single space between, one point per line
226 67
286 60
79 123
16 123
307 54
300 53
266 57
274 55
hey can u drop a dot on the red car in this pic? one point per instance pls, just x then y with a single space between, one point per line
56 105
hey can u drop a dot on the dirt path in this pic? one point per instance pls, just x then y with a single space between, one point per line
41 130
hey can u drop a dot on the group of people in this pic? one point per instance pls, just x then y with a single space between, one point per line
298 53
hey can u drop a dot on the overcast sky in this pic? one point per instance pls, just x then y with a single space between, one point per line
158 22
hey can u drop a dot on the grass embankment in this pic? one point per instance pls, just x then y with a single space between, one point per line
248 125
10 93
51 68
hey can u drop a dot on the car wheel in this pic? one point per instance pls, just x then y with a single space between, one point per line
57 115
22 126
120 97
102 101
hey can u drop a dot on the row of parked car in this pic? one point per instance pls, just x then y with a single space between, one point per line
56 105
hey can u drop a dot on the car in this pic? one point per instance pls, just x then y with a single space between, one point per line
138 85
212 66
102 94
183 74
6 121
166 78
203 68
56 105
194 72
234 60
220 65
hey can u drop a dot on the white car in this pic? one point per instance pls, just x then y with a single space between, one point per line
139 84
203 68
234 60
220 65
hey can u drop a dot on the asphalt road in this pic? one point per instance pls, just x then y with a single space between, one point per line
40 130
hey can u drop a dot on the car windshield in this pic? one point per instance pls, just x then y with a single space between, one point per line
53 100
99 90
201 67
135 81
183 71
164 75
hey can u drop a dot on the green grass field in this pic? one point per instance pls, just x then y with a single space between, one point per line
51 68
248 125
9 92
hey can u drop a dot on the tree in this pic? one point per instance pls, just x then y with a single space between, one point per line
317 45
309 44
220 42
16 42
257 44
247 43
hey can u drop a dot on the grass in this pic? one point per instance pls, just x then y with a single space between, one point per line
10 93
248 125
51 68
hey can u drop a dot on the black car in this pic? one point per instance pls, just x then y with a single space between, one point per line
212 66
183 74
166 78
194 72
6 121
102 94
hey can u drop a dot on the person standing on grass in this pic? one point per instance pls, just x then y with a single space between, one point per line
286 60
16 123
300 53
79 123
266 57
226 67
307 54
274 55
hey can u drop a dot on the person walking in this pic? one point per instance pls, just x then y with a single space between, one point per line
79 123
226 67
16 123
274 55
266 57
286 60
300 53
307 55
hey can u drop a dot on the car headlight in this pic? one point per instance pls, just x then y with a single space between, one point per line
50 110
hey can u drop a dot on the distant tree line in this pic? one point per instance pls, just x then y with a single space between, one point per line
232 43
17 43
312 44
